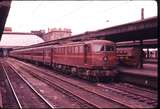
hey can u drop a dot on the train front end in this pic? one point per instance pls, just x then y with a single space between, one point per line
104 59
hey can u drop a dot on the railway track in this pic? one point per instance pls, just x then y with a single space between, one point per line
25 95
9 99
138 88
150 94
115 96
149 99
81 102
90 97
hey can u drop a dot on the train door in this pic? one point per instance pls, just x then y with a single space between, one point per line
43 55
47 55
51 56
86 53
31 54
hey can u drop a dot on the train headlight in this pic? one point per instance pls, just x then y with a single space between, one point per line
105 58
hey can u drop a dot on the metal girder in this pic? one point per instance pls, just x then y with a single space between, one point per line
138 30
142 29
151 43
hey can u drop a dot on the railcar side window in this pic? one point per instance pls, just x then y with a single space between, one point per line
76 50
80 49
56 50
73 50
65 48
61 50
69 50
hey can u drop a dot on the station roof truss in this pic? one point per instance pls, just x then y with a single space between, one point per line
138 30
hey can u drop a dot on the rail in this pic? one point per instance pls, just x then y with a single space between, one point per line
30 86
130 104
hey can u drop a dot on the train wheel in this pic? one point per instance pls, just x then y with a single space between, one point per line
68 69
80 72
112 79
53 66
36 63
88 77
102 79
64 68
97 79
92 79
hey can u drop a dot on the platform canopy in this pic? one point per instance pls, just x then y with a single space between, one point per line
19 40
4 10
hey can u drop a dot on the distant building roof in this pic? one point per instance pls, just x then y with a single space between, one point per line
19 40
8 29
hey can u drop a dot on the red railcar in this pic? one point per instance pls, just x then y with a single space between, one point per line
87 59
129 56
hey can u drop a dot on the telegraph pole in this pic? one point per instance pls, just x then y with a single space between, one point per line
141 42
142 13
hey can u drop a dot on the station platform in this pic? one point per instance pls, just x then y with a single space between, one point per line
155 61
150 70
1 105
146 77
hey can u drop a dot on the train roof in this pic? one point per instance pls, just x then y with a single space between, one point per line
89 42
99 41
67 44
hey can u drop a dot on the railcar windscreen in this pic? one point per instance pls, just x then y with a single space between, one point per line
107 48
97 47
100 47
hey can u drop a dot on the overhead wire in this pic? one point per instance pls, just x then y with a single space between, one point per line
69 13
76 10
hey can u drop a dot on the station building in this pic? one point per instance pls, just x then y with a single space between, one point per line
56 33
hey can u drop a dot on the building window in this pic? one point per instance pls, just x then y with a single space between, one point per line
80 49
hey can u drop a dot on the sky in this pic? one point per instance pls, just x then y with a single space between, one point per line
79 16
